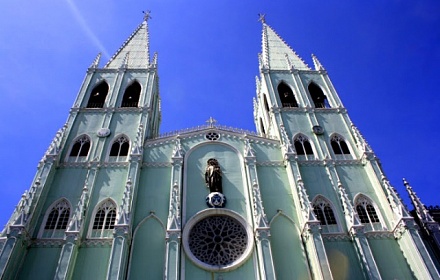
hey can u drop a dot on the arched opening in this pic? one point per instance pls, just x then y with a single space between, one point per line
80 149
339 146
262 130
286 95
324 213
302 145
119 149
131 95
104 221
367 213
98 95
266 105
57 220
318 97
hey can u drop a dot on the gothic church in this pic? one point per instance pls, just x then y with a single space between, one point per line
303 197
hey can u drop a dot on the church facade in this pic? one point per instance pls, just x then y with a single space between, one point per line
303 197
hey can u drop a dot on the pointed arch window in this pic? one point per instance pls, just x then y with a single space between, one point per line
303 146
131 95
318 97
56 220
104 221
324 213
367 213
266 105
119 149
286 95
98 95
339 146
262 130
80 149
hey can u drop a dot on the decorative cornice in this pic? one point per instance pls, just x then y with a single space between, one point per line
104 242
336 237
270 163
47 243
157 164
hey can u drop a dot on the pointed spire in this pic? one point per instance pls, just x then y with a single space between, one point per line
96 61
318 65
137 45
420 208
276 53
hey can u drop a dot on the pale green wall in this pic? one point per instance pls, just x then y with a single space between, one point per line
92 263
389 259
40 263
343 259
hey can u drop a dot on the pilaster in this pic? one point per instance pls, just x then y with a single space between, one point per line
261 225
174 230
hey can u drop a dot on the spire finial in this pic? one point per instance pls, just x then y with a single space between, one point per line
147 15
211 121
262 18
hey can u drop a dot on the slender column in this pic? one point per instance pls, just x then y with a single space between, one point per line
261 225
312 237
364 251
174 231
67 257
12 251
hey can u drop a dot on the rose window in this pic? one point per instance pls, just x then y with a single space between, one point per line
220 241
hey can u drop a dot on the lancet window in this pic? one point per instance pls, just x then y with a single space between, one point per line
318 97
56 220
367 213
339 146
80 149
131 95
104 221
266 105
324 213
303 146
98 95
119 149
286 95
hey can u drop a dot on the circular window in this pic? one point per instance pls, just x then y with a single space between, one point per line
212 136
217 239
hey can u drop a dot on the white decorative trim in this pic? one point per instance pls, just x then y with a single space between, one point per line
47 243
103 242
336 237
270 163
157 164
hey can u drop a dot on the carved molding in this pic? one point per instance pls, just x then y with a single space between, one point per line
157 164
103 242
270 163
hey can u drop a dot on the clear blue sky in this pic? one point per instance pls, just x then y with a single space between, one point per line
382 57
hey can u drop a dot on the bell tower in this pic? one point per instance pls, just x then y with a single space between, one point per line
90 172
333 172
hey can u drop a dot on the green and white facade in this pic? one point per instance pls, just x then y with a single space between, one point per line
306 195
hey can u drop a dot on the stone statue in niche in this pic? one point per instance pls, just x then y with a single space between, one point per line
213 176
213 180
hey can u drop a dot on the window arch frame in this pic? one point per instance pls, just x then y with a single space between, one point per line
325 103
103 232
56 233
135 81
306 156
79 158
284 101
99 83
118 158
341 155
327 228
367 201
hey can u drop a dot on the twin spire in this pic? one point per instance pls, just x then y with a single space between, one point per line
276 53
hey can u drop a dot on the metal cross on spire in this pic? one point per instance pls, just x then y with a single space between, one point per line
211 121
147 15
262 18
